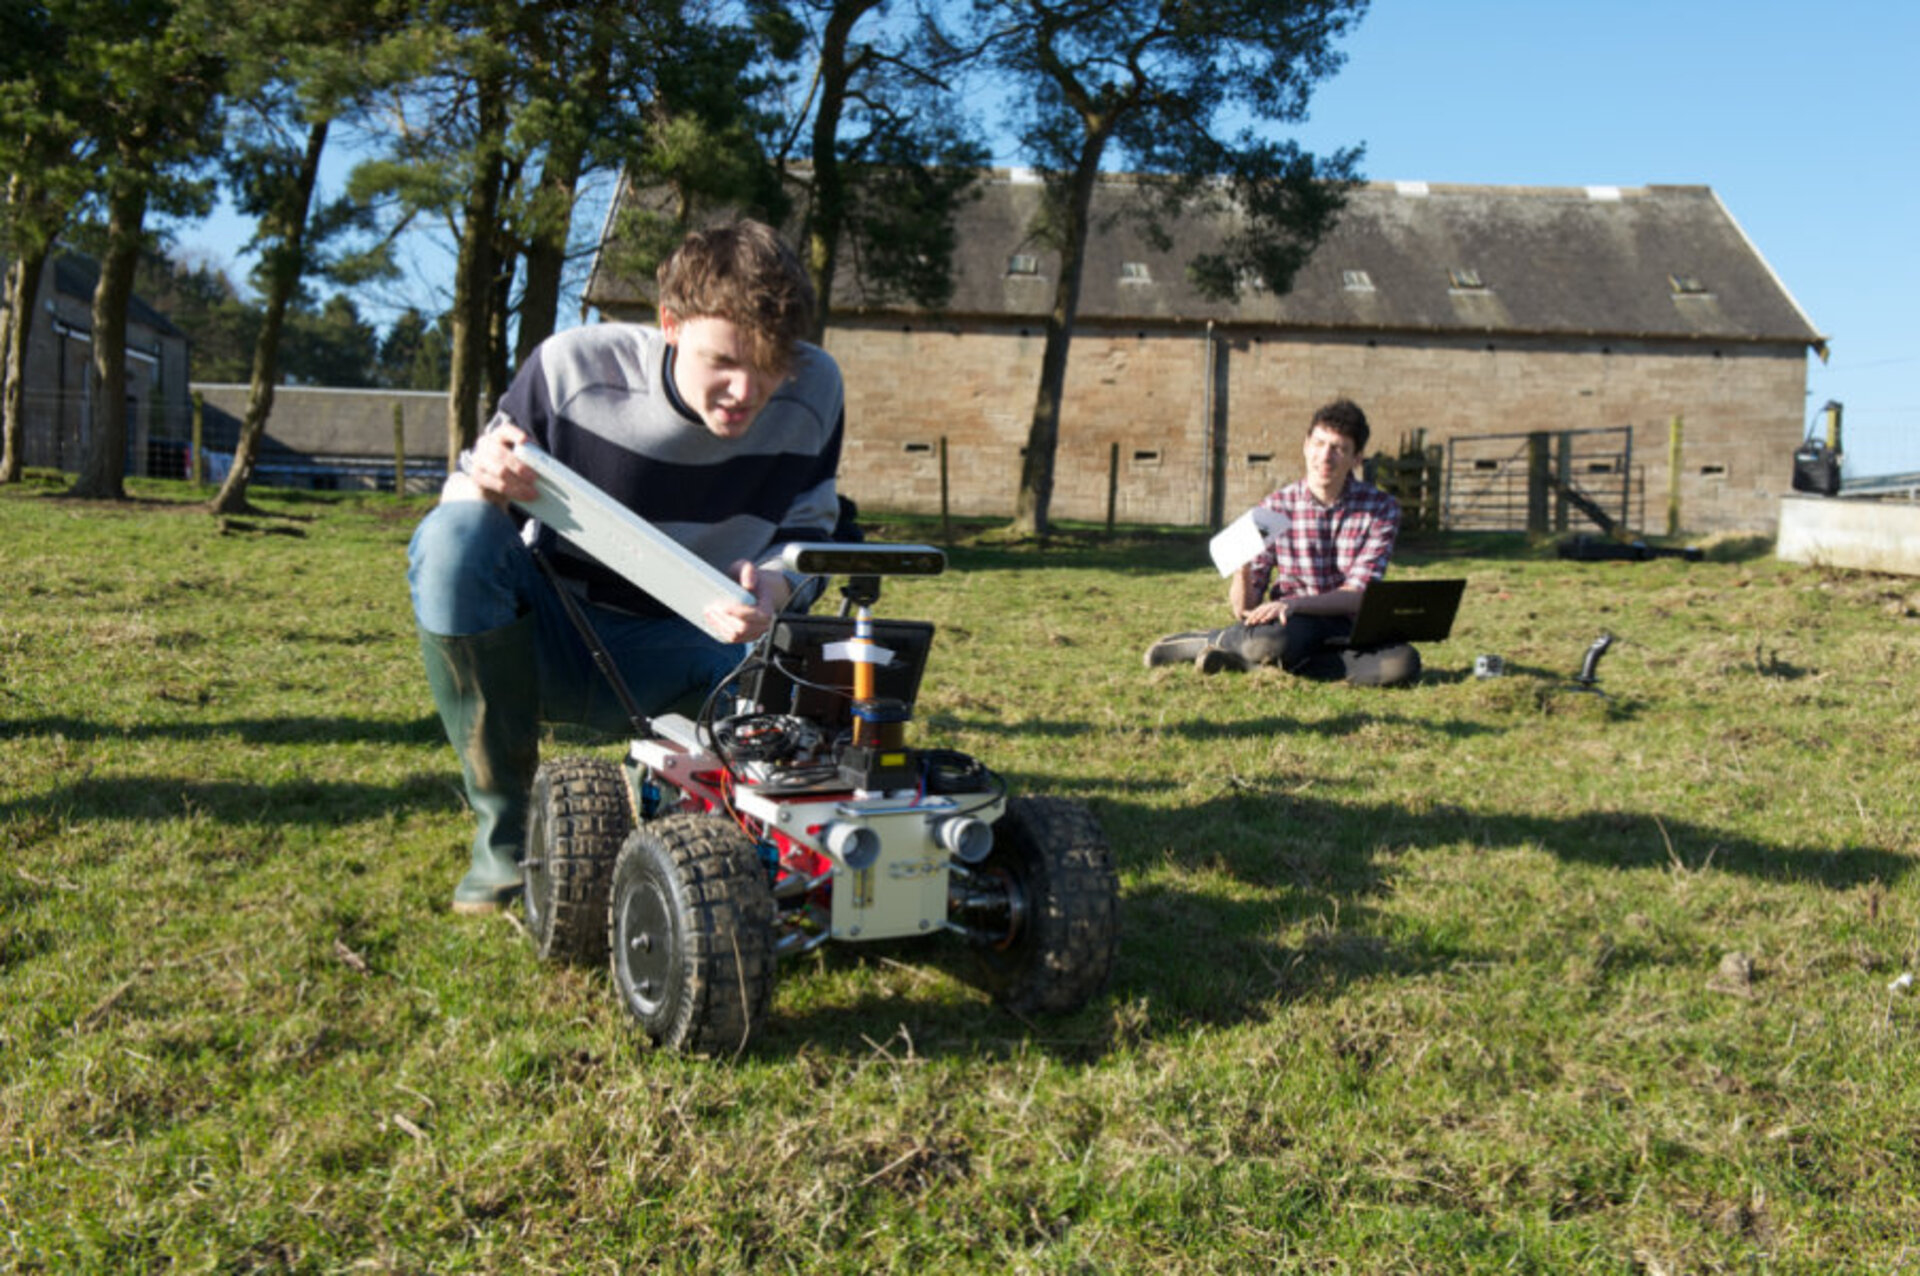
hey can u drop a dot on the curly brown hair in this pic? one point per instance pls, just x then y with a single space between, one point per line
744 273
1343 417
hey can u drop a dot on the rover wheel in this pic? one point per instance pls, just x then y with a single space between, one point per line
578 819
690 926
1049 947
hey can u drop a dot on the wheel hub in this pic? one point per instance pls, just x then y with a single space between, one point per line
646 933
989 905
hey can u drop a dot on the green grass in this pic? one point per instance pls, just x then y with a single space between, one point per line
1443 979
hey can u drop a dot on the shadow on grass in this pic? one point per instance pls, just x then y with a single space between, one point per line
1275 902
1187 959
1241 904
1137 550
1132 554
1206 729
1266 838
287 730
1321 862
319 803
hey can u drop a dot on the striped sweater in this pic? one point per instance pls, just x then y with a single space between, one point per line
601 399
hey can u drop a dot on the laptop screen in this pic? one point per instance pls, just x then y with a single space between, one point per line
798 677
1395 611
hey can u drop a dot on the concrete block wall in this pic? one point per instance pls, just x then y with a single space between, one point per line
1146 391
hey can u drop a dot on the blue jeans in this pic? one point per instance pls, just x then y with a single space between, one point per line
470 573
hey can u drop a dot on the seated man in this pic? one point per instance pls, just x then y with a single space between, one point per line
1297 597
720 425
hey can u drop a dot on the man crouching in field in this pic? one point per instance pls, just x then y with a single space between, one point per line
719 425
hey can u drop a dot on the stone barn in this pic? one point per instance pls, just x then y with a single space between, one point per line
58 422
1465 318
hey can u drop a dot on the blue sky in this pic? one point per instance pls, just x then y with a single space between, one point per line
1802 117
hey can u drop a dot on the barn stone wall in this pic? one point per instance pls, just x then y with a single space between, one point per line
1146 392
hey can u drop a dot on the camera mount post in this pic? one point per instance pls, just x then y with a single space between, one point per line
1590 665
859 592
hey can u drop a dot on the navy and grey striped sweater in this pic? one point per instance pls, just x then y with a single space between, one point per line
601 399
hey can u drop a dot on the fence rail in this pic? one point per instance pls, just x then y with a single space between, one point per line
1540 480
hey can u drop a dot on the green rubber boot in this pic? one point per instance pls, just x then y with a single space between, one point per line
488 697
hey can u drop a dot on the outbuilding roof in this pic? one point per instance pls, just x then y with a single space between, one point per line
328 420
77 276
1413 257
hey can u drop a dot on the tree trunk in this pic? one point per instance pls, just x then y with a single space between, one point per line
23 296
505 255
287 260
547 255
1035 498
473 280
103 467
551 225
827 211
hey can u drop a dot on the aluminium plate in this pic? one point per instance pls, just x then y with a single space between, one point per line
625 542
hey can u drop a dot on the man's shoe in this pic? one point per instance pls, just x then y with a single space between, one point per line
1178 649
478 898
1215 659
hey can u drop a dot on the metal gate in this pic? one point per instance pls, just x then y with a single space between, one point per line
1537 481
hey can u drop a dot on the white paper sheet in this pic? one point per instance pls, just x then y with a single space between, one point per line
1243 538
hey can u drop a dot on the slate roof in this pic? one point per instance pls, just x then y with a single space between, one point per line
309 421
78 276
1619 262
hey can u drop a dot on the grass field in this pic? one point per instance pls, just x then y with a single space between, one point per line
1473 976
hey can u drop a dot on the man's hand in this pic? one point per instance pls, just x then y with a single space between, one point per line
738 622
1272 612
1343 601
491 471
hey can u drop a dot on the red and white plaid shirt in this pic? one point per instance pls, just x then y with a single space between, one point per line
1325 546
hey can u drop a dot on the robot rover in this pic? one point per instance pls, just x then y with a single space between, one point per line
794 812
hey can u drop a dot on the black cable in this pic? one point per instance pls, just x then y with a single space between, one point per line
642 725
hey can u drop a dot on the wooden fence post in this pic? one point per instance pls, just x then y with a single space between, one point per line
1113 484
399 450
197 467
1537 484
1430 478
946 521
1674 432
1564 460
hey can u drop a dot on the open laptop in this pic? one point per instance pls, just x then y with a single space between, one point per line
1393 611
804 674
